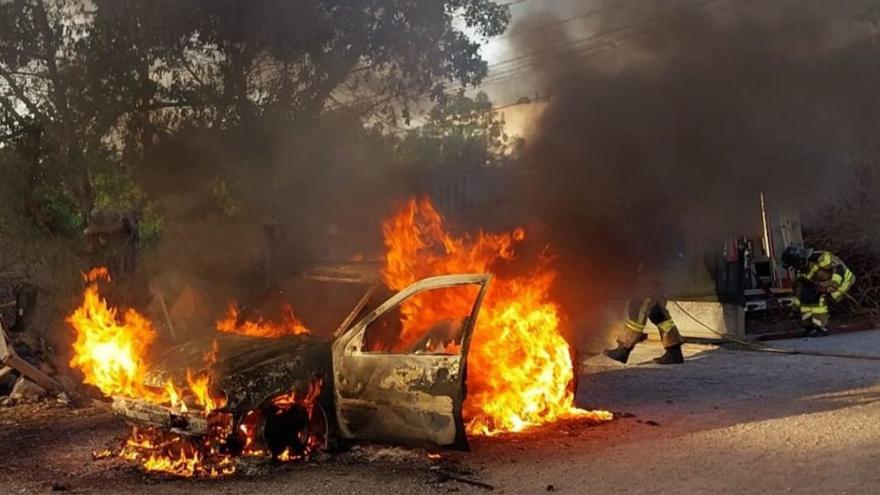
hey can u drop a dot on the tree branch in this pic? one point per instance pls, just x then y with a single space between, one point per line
59 90
20 94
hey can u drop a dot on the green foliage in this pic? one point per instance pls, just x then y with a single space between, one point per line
224 198
90 89
115 189
56 107
230 63
460 132
61 213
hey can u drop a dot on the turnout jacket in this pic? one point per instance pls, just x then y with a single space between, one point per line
828 273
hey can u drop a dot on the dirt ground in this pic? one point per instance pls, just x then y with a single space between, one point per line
728 421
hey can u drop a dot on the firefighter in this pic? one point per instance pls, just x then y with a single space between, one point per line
821 278
639 311
650 304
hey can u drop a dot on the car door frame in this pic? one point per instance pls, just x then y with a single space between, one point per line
406 398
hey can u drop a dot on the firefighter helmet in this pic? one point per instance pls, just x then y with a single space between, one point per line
796 256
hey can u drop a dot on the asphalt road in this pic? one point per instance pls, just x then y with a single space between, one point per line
727 421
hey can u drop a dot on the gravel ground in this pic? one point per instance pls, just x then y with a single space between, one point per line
727 421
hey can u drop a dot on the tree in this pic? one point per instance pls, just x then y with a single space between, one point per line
261 64
459 132
95 81
55 110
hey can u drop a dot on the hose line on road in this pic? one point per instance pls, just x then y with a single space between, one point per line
760 347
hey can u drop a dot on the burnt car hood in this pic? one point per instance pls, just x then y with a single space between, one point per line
249 370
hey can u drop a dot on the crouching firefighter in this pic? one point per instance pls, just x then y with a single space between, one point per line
822 278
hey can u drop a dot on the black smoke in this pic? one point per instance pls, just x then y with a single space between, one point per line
662 132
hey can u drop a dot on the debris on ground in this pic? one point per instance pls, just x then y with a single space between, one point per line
26 390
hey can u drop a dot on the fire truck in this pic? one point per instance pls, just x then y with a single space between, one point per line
765 282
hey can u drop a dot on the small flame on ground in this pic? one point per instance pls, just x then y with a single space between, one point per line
102 454
157 450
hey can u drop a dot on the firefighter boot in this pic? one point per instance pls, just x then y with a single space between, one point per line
625 345
671 339
817 331
671 356
815 325
619 353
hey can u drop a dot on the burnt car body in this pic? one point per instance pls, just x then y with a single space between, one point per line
408 398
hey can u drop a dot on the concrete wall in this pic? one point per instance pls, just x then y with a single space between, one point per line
726 319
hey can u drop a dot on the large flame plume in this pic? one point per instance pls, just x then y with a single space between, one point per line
520 370
111 352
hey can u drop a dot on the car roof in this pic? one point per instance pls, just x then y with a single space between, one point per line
360 272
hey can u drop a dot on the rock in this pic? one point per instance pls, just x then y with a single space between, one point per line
25 389
7 402
63 398
551 488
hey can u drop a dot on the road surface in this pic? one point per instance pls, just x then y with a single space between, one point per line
728 421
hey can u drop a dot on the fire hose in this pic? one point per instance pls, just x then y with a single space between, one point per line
761 347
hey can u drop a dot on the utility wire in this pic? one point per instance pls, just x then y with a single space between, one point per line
642 23
597 42
583 15
522 63
513 74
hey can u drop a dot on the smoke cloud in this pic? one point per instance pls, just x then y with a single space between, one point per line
667 123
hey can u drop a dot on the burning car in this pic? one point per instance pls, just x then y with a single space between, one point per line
360 352
284 396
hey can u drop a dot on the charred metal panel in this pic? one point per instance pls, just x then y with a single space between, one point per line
142 412
413 399
292 370
250 370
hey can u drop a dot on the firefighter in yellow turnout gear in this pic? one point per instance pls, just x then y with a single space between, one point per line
638 312
821 278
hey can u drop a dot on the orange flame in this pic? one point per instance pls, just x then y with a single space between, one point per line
111 354
519 370
160 451
289 325
108 350
254 446
200 384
